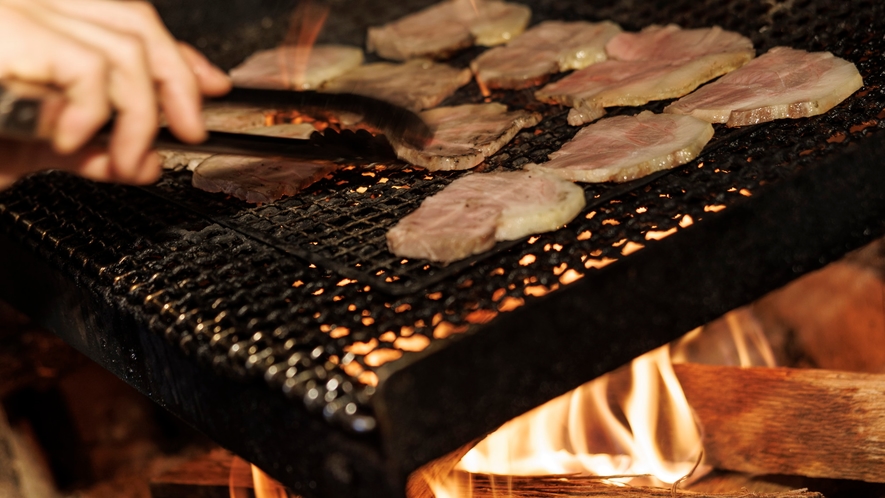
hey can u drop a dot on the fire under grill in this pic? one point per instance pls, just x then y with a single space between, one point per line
291 335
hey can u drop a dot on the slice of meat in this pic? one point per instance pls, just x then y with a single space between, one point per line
631 83
783 83
657 63
442 29
624 148
465 135
673 43
476 210
417 84
548 48
173 159
255 179
288 130
224 117
294 67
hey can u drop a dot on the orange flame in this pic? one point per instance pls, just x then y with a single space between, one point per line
265 487
305 25
634 422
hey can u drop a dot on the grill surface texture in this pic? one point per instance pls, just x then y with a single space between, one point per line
350 367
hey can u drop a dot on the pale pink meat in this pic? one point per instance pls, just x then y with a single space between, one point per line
417 84
255 179
479 209
625 148
548 48
783 83
295 67
657 63
674 43
224 117
451 25
465 135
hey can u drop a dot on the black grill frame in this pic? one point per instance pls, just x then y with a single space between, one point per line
195 314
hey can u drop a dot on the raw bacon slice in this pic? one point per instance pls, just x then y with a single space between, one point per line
442 29
624 148
674 43
293 67
657 63
417 84
783 83
465 135
476 210
548 48
255 179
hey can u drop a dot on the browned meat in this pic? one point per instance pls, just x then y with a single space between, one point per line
624 148
466 135
477 210
451 25
417 84
293 67
661 63
548 48
783 83
257 180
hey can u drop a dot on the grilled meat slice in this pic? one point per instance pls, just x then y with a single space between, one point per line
624 148
442 29
255 179
465 135
416 84
173 159
476 210
673 43
297 68
233 119
548 48
657 63
783 83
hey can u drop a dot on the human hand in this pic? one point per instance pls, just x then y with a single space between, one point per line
105 56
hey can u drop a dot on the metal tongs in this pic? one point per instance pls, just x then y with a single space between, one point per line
26 114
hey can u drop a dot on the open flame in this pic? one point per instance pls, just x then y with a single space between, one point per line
305 25
633 424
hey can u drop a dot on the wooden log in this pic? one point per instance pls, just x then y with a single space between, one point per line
478 486
208 476
814 423
832 319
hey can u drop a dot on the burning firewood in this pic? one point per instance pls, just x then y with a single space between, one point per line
814 423
482 486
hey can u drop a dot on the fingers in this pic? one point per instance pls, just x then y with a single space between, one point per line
213 82
178 84
22 158
130 88
33 53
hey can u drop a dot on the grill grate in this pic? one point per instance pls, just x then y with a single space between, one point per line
319 327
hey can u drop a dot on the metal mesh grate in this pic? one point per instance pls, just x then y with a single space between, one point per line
247 309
